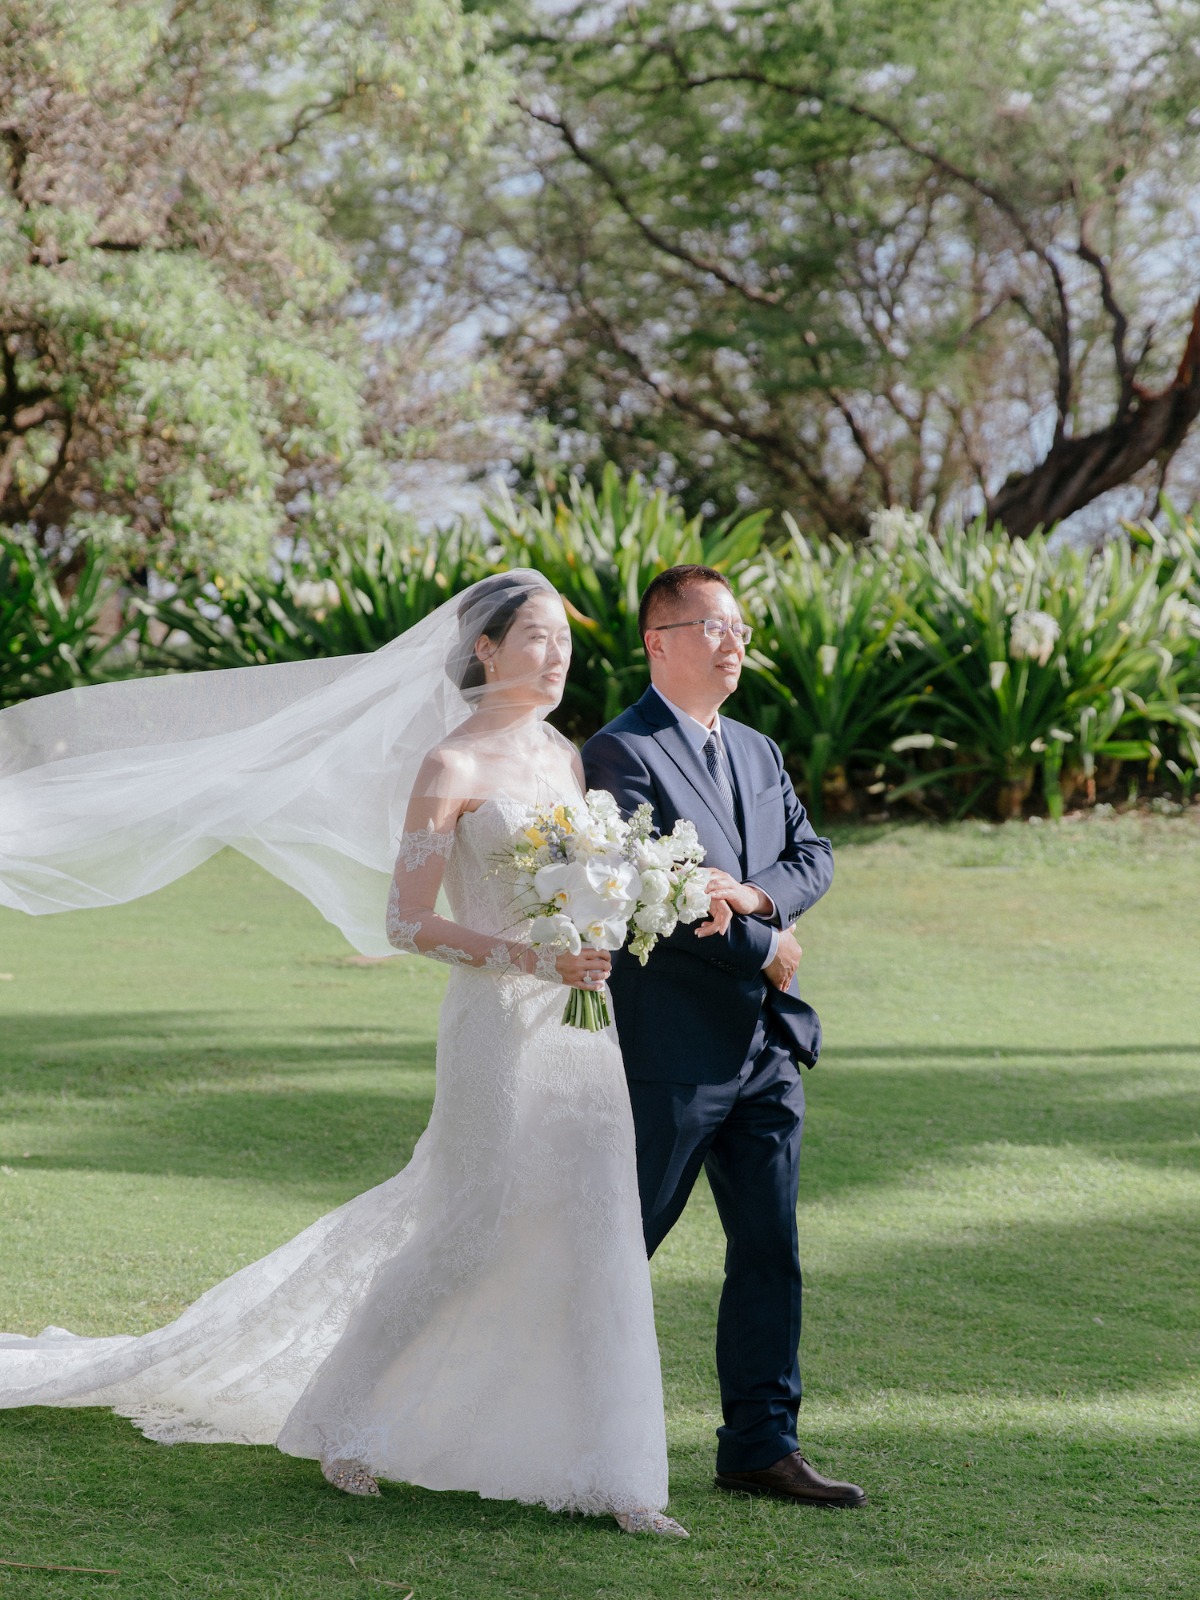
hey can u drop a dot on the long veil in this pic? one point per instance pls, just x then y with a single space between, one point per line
108 793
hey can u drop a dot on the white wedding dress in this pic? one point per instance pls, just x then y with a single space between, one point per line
482 1321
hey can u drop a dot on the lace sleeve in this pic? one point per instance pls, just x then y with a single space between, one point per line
416 927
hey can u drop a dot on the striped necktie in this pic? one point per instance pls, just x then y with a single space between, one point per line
716 769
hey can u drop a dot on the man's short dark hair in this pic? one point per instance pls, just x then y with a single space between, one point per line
667 593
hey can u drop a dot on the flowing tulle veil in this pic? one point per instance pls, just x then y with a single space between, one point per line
108 793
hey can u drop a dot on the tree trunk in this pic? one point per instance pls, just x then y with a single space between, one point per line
1147 427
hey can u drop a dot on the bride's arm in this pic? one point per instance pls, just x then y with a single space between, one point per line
441 795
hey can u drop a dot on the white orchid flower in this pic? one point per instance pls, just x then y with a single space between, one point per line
605 933
556 930
555 882
613 879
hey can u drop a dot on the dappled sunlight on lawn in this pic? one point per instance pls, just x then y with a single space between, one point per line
1000 1177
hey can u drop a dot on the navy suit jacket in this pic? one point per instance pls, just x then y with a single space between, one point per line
689 1015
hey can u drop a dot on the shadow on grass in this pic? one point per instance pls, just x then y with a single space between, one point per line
1043 1309
174 1092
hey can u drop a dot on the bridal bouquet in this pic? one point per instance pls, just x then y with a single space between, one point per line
586 876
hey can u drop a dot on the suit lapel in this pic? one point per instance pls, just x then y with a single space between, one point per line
671 740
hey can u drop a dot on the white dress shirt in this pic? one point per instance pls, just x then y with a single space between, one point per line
697 735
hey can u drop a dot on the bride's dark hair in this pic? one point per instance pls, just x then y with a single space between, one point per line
487 612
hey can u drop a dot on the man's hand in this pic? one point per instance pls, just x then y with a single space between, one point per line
787 959
727 895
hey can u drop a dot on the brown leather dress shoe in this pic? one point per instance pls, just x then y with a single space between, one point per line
794 1478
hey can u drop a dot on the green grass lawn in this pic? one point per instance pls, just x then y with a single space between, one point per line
998 1226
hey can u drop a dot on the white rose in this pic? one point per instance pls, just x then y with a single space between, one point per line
684 842
653 855
602 805
654 919
656 886
590 839
693 900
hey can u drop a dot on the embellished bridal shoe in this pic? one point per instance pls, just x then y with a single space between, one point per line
650 1522
349 1476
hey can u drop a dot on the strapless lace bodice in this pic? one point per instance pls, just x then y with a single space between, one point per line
480 896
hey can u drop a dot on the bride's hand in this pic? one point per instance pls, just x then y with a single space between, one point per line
587 970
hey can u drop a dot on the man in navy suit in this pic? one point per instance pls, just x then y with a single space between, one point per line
713 1027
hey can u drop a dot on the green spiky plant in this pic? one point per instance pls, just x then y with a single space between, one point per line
344 601
838 667
53 632
1041 661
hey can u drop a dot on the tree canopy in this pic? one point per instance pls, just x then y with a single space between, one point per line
921 252
183 368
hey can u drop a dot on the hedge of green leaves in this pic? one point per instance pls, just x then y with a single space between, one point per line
58 630
957 673
968 670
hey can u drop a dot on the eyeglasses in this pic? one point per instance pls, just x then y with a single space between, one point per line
714 628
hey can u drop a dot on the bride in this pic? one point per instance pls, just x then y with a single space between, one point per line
483 1320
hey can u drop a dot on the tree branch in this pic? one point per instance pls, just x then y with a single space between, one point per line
18 156
705 264
1120 322
1059 332
308 116
1076 471
56 466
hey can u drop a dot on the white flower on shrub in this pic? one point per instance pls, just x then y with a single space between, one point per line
827 655
317 595
1033 636
1180 616
997 671
895 527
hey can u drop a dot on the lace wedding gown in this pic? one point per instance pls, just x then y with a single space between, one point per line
483 1320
